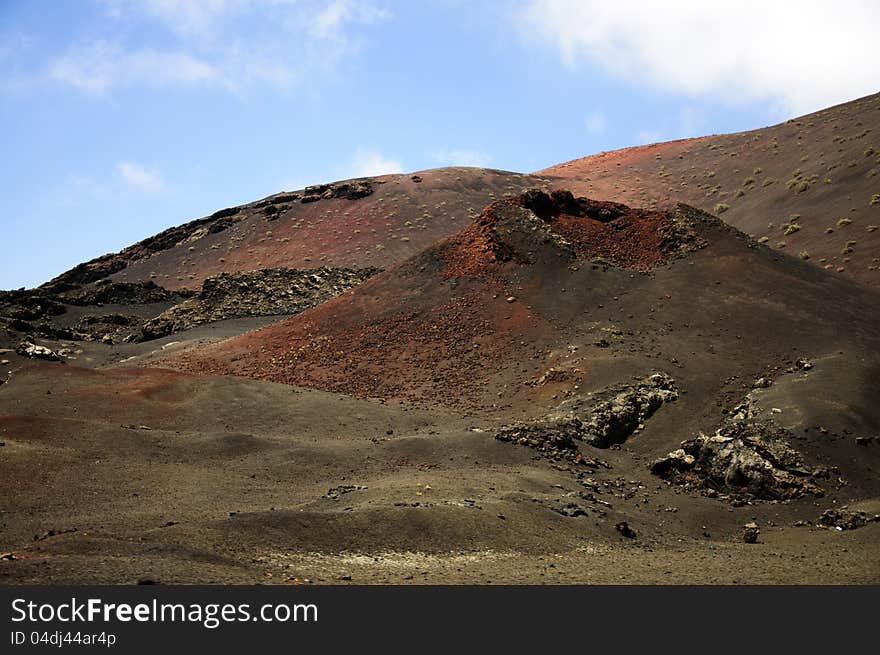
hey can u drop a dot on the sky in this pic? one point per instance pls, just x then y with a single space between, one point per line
120 118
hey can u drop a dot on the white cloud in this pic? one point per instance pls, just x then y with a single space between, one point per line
141 177
369 163
802 56
461 157
95 67
330 21
201 43
595 123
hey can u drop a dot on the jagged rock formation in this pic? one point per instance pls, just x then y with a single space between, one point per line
600 420
745 457
266 292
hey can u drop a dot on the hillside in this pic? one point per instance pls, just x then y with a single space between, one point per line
809 186
567 291
360 223
610 371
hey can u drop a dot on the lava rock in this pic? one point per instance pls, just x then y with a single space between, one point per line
265 292
750 533
846 519
745 456
624 529
32 350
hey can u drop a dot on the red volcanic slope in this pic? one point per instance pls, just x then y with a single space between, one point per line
540 290
401 216
790 184
808 187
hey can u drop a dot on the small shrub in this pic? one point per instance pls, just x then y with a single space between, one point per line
875 199
768 181
763 239
791 229
748 181
803 254
721 207
843 222
871 228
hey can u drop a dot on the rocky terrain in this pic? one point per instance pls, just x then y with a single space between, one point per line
607 372
267 292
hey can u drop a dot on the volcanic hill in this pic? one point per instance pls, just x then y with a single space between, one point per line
809 186
363 223
467 375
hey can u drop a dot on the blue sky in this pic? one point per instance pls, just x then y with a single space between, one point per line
121 118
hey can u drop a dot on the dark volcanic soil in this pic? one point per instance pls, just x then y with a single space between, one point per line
131 474
538 388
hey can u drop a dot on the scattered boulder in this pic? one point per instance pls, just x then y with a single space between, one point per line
624 529
751 532
32 350
745 457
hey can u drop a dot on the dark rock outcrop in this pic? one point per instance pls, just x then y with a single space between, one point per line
351 190
118 293
745 457
266 292
602 419
846 519
29 305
